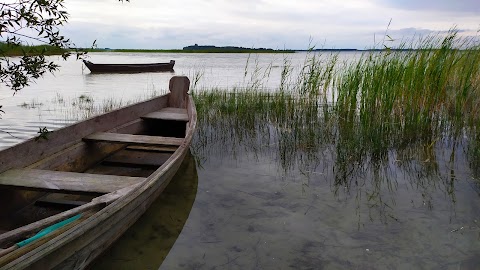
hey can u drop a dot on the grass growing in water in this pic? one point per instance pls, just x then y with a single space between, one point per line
413 111
397 98
32 105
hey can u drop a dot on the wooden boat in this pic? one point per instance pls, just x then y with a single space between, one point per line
106 170
152 67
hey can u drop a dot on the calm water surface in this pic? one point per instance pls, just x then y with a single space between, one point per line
72 92
239 209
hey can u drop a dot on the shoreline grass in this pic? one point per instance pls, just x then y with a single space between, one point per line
16 50
415 111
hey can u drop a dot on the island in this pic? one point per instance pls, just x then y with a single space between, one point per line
231 49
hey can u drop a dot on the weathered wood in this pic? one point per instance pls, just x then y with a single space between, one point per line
81 156
17 252
133 157
174 114
153 148
66 181
78 157
59 202
5 251
115 220
179 86
31 151
77 247
136 171
132 139
41 224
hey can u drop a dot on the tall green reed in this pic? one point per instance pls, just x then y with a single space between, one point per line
408 108
416 94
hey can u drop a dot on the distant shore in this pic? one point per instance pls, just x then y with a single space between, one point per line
190 51
233 51
11 50
8 50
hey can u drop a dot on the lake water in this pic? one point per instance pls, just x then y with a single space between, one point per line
239 208
48 102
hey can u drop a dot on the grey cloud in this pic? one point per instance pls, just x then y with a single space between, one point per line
470 6
412 31
411 36
254 23
176 38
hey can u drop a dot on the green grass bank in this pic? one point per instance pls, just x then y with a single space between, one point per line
15 50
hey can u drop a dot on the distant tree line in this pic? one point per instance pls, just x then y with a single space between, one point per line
230 49
30 50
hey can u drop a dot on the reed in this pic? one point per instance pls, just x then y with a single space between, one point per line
34 103
367 115
395 99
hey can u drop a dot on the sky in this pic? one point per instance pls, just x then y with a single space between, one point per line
277 24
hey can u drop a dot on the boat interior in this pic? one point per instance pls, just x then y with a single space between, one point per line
88 170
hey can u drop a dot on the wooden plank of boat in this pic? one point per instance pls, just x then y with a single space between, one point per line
133 139
59 202
122 169
153 148
180 98
136 157
121 120
15 251
175 114
96 202
65 181
112 216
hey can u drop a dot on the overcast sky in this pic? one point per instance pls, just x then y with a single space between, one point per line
278 24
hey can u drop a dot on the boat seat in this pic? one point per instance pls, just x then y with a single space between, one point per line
169 113
131 157
133 139
66 181
154 148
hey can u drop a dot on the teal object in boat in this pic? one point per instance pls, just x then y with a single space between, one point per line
48 230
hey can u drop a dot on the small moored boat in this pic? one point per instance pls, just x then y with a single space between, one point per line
66 198
152 67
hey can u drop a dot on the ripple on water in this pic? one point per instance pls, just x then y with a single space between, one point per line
14 132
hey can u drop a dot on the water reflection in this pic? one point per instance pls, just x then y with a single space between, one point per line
145 244
304 137
292 189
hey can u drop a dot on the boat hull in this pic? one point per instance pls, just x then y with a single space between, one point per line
129 68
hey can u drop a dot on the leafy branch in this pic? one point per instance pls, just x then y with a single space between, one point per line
27 22
23 22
